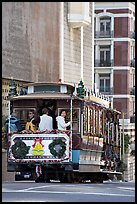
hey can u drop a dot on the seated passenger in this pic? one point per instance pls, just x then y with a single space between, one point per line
15 123
30 125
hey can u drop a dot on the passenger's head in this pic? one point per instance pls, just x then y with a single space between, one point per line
63 113
15 114
31 113
36 120
45 111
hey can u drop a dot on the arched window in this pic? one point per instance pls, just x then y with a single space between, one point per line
105 25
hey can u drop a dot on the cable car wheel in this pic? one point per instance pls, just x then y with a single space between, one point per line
66 177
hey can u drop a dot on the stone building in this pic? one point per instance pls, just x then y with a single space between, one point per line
48 42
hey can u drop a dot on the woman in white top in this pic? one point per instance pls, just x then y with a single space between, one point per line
61 121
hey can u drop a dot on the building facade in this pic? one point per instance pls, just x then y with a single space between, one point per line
48 42
115 62
56 42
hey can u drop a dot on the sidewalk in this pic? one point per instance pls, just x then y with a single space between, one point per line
118 181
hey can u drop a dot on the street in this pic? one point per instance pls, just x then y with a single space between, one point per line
29 191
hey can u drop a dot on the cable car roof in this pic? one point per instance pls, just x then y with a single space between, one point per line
55 95
47 83
45 95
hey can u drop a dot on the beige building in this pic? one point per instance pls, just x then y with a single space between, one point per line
48 42
40 45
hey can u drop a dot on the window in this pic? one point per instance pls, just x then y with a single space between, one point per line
104 82
94 26
105 25
105 55
75 118
23 115
44 88
131 24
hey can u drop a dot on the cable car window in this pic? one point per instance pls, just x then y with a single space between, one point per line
75 118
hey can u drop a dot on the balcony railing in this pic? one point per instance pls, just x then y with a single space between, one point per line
132 119
132 34
132 63
132 91
106 90
99 63
104 34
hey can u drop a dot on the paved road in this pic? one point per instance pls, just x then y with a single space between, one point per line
26 191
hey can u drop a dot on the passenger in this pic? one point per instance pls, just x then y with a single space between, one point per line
46 121
36 121
15 123
61 121
30 125
51 112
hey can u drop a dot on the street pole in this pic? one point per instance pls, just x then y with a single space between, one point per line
120 143
108 132
123 132
123 140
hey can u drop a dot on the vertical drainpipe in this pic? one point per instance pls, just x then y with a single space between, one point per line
92 63
112 60
61 60
82 53
82 80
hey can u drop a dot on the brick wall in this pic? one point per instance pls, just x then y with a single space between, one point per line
121 82
121 53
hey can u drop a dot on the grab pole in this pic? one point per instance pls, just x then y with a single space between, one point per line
71 125
9 119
